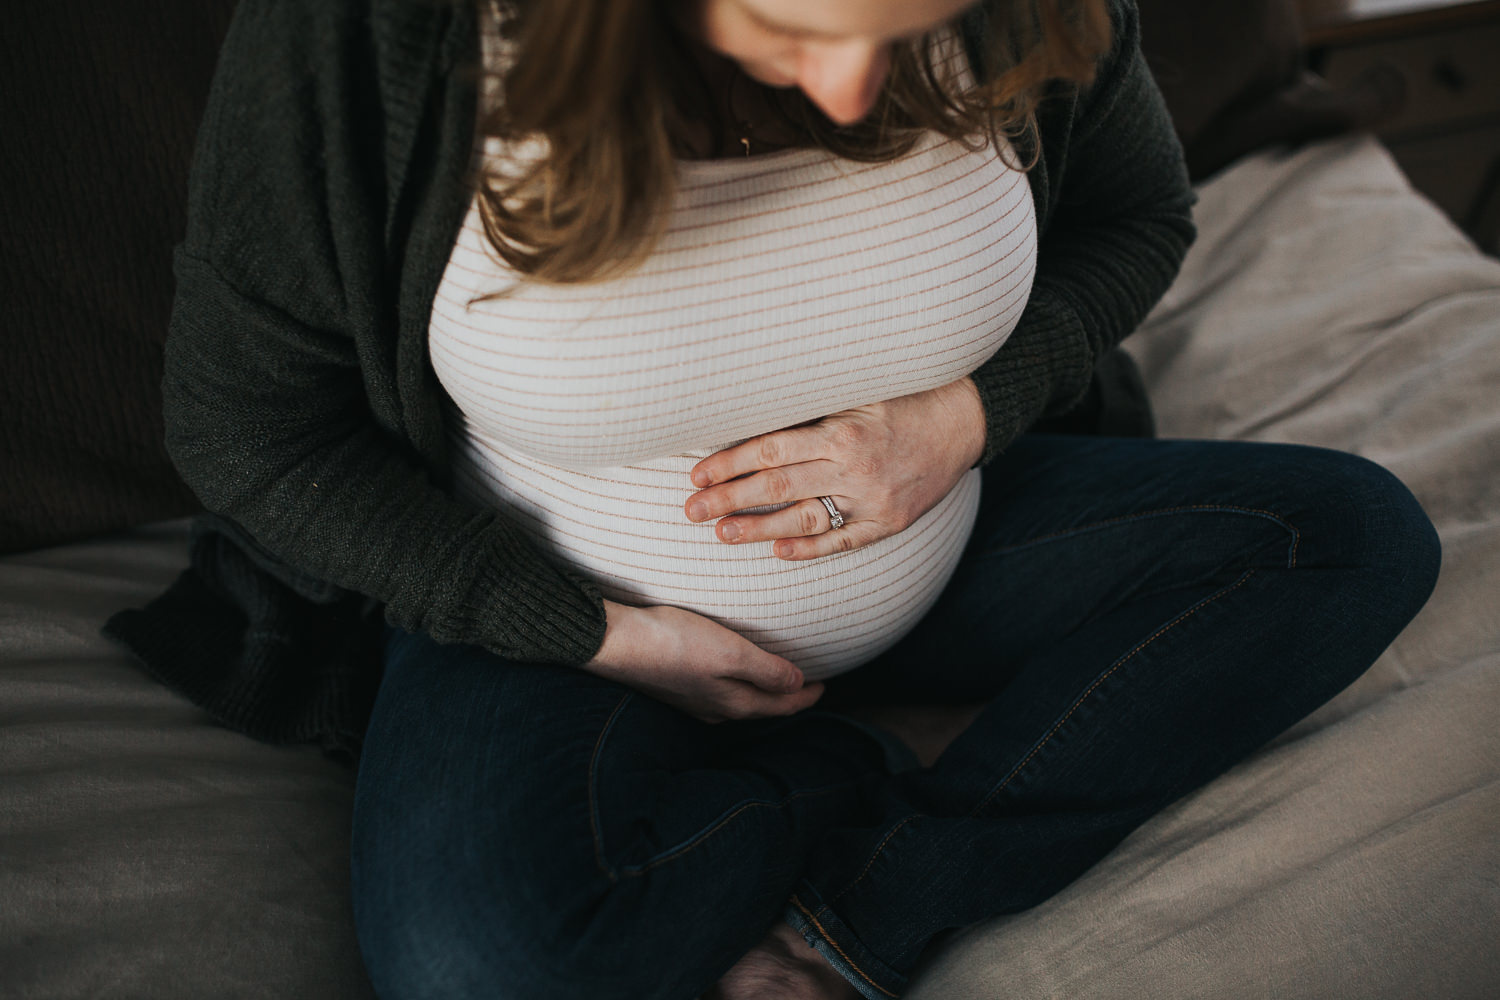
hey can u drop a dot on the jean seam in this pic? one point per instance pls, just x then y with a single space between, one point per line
1056 725
697 840
1291 562
835 945
614 873
878 849
593 790
1104 677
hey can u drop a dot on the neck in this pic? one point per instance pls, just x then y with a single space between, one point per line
750 121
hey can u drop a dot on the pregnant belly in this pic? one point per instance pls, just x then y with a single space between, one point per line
624 528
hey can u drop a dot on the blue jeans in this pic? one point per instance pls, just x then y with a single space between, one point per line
1136 615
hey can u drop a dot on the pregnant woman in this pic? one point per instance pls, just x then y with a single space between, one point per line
596 401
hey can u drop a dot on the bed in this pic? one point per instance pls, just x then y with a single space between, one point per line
146 852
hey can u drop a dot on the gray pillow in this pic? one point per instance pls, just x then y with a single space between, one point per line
102 101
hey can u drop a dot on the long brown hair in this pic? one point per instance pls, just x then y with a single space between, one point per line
609 85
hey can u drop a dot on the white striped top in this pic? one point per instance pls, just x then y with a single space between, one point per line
788 286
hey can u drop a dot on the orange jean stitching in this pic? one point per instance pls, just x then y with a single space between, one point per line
827 937
1053 731
873 856
1232 508
1104 677
593 798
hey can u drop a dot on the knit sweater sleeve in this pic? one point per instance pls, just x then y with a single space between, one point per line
280 388
1118 225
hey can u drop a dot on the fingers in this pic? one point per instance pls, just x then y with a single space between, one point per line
806 517
784 484
763 684
790 446
853 535
801 531
766 671
790 704
767 684
755 704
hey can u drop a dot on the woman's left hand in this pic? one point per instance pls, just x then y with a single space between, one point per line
883 465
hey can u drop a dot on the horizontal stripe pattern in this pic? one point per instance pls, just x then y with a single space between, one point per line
788 286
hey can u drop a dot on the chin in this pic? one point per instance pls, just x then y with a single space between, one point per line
768 76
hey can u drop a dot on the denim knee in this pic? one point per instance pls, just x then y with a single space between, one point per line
474 914
441 931
1360 515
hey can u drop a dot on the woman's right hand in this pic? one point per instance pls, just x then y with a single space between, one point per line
697 665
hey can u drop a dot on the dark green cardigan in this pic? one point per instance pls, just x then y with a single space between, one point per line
325 196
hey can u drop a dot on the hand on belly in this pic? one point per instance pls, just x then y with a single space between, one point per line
883 466
910 509
697 665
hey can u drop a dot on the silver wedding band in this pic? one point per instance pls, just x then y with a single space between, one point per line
835 519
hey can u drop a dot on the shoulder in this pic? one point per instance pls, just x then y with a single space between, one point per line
1065 103
1114 68
1098 116
307 137
331 63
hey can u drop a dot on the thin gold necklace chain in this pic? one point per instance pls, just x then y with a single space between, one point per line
741 125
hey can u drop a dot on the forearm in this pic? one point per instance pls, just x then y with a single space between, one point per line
1107 279
1039 368
1118 224
274 434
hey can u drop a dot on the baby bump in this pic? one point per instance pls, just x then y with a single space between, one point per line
624 528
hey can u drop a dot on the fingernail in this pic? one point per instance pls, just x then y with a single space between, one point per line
697 511
730 532
700 478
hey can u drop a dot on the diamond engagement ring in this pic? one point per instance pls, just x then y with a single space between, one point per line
835 519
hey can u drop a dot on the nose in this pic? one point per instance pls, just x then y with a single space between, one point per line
844 78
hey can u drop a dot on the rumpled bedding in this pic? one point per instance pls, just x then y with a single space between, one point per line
1358 855
145 852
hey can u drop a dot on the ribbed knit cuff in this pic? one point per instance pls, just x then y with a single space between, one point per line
1042 368
523 606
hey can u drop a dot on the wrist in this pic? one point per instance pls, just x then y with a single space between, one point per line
621 622
968 408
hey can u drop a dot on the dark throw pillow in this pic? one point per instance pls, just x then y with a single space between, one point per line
1234 78
102 102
